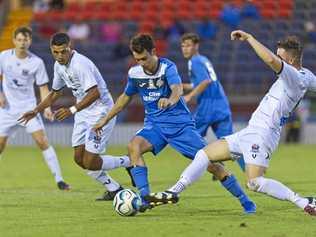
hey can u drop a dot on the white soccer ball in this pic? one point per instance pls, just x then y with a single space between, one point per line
127 202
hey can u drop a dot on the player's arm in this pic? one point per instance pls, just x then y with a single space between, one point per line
187 87
119 105
44 92
263 52
92 95
176 93
47 102
2 97
197 90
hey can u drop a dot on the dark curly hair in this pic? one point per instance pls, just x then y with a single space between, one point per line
142 42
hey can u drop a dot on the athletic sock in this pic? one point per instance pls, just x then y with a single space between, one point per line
113 162
105 179
51 160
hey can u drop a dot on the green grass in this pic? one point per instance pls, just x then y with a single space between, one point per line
31 205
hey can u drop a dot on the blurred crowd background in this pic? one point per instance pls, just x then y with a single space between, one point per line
101 30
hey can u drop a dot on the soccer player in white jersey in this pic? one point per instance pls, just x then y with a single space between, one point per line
260 138
79 73
19 70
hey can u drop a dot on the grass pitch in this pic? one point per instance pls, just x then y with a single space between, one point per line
31 205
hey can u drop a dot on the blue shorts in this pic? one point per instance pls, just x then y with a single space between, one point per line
221 128
183 138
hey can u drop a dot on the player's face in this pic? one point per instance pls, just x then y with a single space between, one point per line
284 55
144 59
22 42
188 48
61 53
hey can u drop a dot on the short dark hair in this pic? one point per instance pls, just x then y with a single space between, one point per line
24 30
59 39
292 45
190 36
142 42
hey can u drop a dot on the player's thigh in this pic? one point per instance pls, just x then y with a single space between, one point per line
148 139
254 150
34 125
41 139
218 150
202 127
78 154
96 144
223 127
8 123
186 140
3 142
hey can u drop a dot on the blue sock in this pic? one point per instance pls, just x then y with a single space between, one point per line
140 177
241 163
232 185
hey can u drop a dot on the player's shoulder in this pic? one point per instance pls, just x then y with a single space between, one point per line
35 58
199 58
135 71
81 60
307 73
166 61
7 52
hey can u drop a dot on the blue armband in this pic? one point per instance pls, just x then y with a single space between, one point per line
1 88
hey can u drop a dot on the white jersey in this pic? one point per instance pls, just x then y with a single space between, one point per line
19 76
80 74
282 98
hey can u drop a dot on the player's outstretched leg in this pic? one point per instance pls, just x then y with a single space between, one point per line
278 190
310 208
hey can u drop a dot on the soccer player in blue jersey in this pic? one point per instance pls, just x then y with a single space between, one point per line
212 105
167 120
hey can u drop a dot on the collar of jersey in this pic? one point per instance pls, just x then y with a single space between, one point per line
157 69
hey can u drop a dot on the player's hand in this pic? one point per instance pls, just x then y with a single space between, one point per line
187 98
2 100
99 125
164 103
62 114
48 114
27 117
239 35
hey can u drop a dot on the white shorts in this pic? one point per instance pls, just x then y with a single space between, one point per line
9 122
84 135
250 144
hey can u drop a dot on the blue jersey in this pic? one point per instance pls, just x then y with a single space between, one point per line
212 102
152 87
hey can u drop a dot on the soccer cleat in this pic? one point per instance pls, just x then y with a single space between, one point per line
128 170
63 186
311 206
109 195
161 198
249 207
144 207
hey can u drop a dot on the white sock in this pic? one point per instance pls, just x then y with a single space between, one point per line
113 162
105 179
192 173
52 163
280 191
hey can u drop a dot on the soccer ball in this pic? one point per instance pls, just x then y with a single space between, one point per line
127 202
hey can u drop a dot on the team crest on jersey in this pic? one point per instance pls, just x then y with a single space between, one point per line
25 72
151 84
159 82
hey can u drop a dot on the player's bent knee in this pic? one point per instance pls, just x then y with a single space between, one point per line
255 184
79 160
